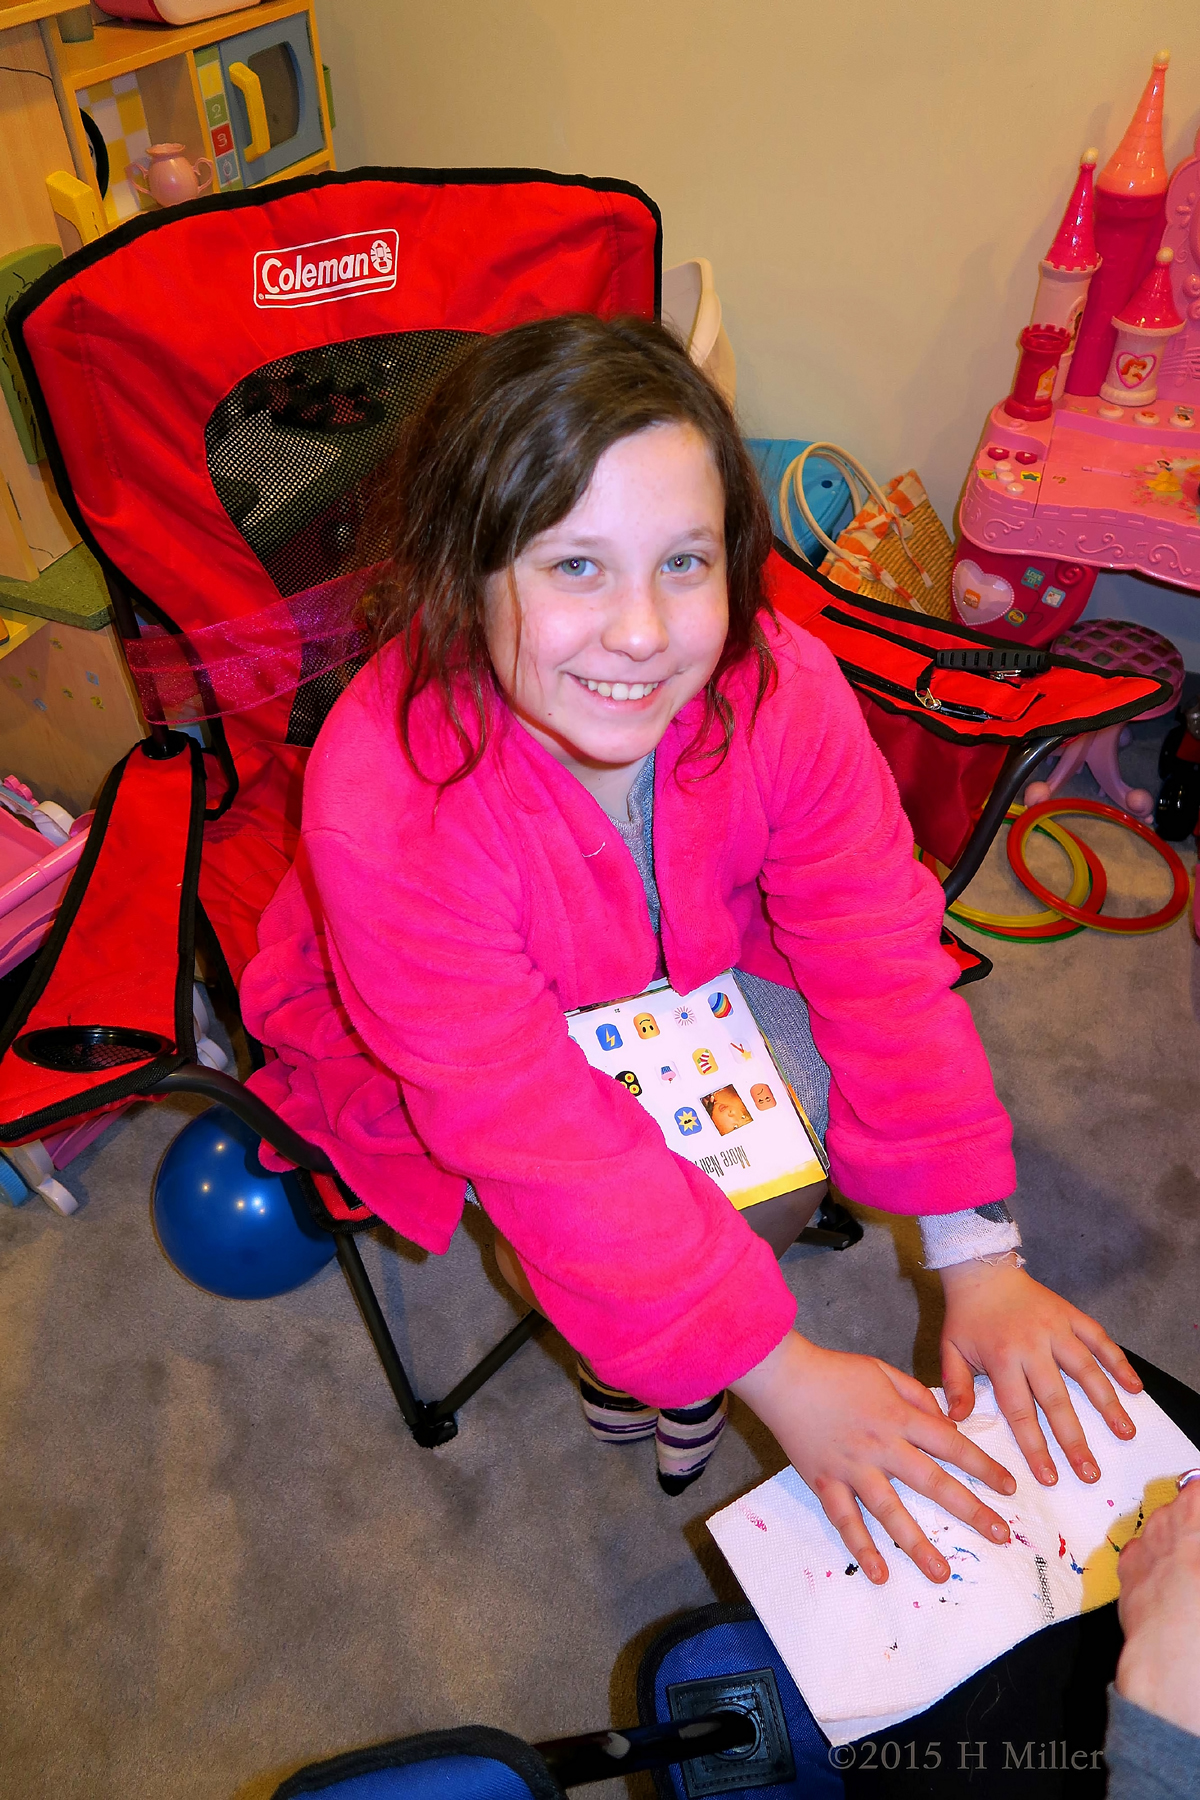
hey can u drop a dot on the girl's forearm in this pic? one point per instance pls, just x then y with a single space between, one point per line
767 1388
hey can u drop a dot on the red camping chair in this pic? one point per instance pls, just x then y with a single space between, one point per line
219 386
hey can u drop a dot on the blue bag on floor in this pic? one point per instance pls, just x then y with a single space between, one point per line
719 1657
825 489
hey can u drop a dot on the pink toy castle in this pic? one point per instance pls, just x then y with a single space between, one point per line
1107 475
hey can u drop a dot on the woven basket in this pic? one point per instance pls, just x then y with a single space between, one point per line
895 548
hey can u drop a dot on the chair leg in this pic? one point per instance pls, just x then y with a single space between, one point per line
432 1422
377 1326
1015 771
486 1367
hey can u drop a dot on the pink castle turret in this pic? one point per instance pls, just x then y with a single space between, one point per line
1130 215
1068 267
1143 326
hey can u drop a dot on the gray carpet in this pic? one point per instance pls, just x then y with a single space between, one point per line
222 1554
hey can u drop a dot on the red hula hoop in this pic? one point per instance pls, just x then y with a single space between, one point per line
1049 809
1041 934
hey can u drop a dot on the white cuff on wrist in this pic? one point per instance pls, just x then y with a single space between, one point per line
975 1235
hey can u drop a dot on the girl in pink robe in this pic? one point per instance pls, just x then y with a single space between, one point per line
574 593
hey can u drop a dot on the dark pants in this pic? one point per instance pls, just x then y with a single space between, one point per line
780 1221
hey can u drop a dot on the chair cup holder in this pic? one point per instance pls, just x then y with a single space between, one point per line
89 1049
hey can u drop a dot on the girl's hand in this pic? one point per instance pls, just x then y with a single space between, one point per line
1003 1324
849 1425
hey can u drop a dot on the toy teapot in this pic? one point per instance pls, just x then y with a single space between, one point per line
170 177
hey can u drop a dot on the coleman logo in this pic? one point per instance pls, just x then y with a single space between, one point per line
332 269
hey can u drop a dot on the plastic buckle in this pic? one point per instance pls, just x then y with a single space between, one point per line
951 708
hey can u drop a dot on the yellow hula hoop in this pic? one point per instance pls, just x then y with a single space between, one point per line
971 915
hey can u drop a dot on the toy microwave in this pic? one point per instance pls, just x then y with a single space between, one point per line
274 114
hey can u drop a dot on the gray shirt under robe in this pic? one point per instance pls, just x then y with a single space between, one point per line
782 1016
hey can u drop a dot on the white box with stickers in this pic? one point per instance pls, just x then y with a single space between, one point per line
701 1067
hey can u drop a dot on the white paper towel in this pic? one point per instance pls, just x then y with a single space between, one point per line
866 1657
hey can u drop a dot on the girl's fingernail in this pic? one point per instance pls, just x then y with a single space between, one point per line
1089 1471
1048 1473
937 1568
1125 1427
876 1572
999 1532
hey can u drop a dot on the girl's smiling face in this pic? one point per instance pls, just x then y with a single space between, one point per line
616 617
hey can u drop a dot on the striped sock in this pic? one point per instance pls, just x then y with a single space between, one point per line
613 1417
685 1439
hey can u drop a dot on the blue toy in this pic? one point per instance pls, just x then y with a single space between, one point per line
825 489
12 1188
224 1222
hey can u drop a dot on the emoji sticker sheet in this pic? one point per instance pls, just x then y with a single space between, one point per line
699 1064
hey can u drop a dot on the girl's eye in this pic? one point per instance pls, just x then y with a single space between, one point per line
576 565
682 564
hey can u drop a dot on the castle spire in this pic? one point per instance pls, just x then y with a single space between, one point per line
1143 326
1074 247
1152 308
1138 164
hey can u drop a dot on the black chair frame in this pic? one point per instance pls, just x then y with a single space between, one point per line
431 1422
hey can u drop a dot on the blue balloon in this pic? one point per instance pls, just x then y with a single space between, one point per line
227 1224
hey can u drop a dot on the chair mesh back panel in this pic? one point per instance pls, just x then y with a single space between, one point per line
315 699
295 450
169 358
298 452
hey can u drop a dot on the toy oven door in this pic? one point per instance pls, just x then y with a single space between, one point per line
271 80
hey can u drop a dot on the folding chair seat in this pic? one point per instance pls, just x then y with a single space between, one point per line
719 1714
219 386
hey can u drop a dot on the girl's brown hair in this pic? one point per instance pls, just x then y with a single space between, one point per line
502 450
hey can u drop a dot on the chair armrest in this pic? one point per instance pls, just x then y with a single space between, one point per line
194 1078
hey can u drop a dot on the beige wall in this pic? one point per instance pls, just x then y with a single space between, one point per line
873 180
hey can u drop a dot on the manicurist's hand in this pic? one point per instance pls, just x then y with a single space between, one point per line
1003 1324
850 1425
1160 1613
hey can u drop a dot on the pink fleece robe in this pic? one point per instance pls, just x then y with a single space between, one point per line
416 962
